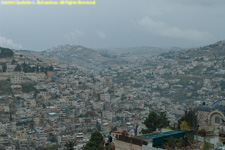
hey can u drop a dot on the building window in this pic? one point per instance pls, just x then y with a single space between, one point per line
217 120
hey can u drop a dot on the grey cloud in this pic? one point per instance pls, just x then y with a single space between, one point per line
5 42
163 29
74 36
101 34
201 3
184 23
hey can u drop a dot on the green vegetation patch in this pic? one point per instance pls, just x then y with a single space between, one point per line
26 88
6 52
5 88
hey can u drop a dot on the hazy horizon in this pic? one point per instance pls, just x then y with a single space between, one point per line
113 24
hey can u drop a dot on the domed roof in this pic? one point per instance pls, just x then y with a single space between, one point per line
219 105
204 108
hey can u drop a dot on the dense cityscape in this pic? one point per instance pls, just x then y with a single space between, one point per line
46 103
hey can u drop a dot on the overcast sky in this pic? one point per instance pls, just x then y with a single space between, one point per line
114 23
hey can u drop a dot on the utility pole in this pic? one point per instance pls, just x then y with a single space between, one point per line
197 131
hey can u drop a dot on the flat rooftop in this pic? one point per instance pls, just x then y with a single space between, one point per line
152 136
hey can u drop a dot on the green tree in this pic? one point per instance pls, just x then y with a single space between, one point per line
51 148
90 146
6 52
5 87
155 121
26 88
70 145
184 125
35 93
27 68
37 68
206 145
101 147
171 143
98 126
123 97
32 69
4 67
13 61
222 84
95 141
42 69
18 68
53 139
98 97
113 129
190 117
50 68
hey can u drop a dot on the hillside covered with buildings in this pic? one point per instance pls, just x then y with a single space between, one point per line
46 101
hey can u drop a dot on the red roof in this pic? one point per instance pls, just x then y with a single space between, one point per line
48 130
106 102
56 111
39 115
120 131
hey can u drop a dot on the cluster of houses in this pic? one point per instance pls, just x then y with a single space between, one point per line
49 108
